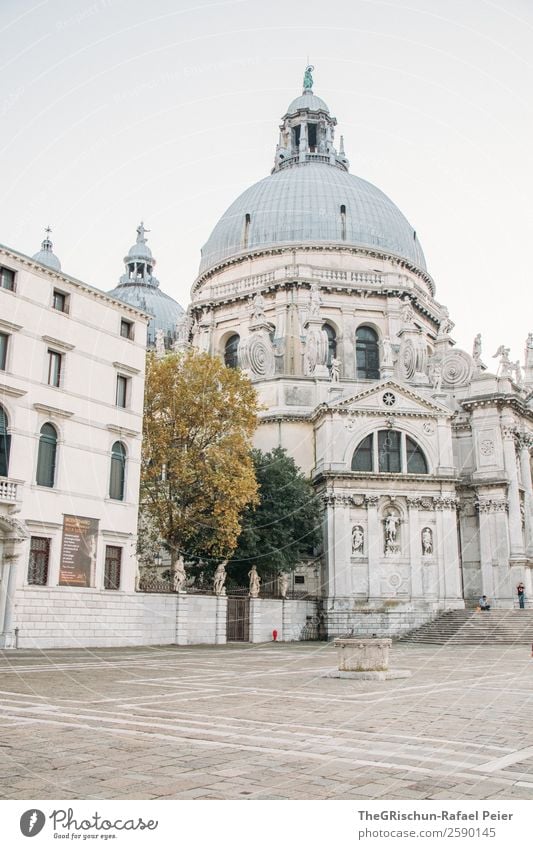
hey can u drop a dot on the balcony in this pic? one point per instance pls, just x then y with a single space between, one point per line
8 491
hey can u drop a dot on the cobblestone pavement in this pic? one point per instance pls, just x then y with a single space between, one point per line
261 722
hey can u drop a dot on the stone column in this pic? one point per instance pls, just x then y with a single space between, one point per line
415 549
285 621
7 598
515 518
182 619
221 619
255 608
374 546
525 442
448 543
342 544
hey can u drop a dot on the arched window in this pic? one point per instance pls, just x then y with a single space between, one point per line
5 442
46 459
416 461
118 472
367 353
230 351
389 451
332 343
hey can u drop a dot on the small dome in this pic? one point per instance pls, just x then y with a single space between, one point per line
46 256
309 101
165 311
140 250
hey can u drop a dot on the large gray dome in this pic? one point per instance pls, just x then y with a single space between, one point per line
165 310
302 204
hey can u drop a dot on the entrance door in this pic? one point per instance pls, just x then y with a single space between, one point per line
238 619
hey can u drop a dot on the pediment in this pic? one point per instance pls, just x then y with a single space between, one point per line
390 396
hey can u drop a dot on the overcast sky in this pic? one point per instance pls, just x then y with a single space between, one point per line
117 110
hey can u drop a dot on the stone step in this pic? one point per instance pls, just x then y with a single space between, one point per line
472 627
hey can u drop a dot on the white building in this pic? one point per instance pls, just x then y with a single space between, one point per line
72 363
315 283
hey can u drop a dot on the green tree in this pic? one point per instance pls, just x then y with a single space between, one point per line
284 527
197 474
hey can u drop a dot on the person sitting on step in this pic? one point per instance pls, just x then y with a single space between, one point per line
484 603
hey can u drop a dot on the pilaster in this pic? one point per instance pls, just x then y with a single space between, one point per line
515 518
375 543
417 589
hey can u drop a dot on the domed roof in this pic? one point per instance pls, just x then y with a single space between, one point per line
165 310
302 204
309 101
46 256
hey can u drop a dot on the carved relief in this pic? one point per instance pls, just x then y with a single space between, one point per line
257 354
457 368
486 447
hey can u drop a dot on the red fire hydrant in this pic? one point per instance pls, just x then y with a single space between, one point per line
274 635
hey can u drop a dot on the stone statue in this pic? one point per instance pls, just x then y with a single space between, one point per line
283 584
258 308
219 578
517 370
408 312
255 582
387 352
179 576
358 539
427 541
315 301
504 368
437 377
335 370
308 79
391 533
528 363
476 351
160 343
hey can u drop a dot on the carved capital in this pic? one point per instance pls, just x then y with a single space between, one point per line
447 502
414 502
492 505
371 501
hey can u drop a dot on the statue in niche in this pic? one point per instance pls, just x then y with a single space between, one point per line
315 301
358 539
505 367
427 542
219 579
255 582
179 576
283 585
335 370
392 523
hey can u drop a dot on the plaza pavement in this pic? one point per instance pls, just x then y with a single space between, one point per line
261 722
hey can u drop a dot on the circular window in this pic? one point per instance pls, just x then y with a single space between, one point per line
389 399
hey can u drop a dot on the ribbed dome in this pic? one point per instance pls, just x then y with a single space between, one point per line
302 204
308 100
165 310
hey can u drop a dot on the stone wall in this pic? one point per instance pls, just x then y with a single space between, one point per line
378 622
63 617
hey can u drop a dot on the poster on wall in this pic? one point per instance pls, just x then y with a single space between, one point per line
78 551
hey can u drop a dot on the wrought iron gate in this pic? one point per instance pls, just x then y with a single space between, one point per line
238 619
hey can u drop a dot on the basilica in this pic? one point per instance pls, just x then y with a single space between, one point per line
315 284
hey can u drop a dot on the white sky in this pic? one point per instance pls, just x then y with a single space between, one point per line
117 110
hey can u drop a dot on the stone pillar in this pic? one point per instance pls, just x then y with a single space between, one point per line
182 619
524 445
448 543
342 546
221 620
285 622
374 546
255 609
415 549
515 519
7 598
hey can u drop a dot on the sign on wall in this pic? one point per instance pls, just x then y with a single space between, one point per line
78 551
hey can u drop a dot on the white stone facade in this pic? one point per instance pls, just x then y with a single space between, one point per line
70 350
422 457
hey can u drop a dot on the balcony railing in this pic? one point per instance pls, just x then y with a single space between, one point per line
8 491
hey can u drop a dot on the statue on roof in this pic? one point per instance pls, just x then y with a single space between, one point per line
308 79
141 230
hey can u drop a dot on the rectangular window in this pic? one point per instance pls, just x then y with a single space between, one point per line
122 390
299 579
54 367
126 328
39 557
113 561
389 451
7 279
3 350
60 301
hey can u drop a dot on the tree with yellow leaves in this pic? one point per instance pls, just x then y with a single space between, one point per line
197 472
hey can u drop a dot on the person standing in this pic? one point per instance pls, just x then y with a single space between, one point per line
521 595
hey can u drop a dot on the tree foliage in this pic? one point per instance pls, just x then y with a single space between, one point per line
197 473
284 527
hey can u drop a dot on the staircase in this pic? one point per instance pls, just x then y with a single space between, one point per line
471 627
